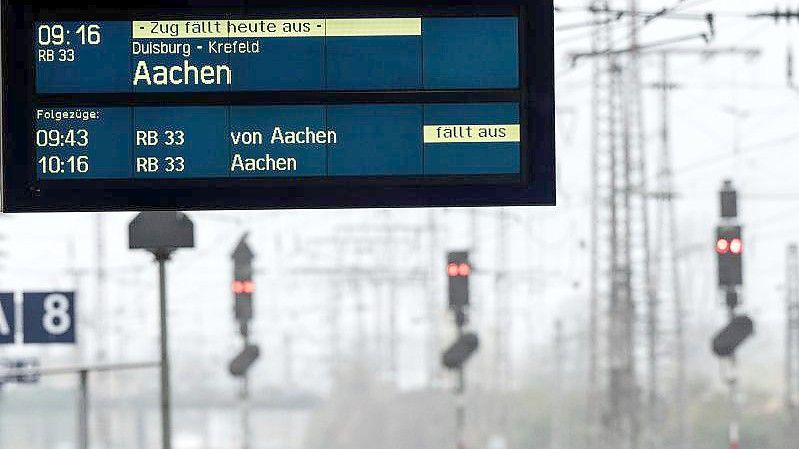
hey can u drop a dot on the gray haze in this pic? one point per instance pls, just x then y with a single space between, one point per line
731 118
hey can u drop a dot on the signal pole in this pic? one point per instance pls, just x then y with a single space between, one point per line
454 358
243 289
731 292
729 248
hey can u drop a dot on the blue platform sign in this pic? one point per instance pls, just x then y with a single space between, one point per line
49 317
7 319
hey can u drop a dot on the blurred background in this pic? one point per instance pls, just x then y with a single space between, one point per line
595 317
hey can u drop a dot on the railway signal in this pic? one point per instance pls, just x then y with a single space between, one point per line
243 289
729 248
459 269
243 285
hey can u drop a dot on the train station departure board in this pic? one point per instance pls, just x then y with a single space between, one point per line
255 105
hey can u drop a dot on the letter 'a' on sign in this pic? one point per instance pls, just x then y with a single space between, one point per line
7 318
49 317
207 105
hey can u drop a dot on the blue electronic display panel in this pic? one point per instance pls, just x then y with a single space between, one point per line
278 141
249 104
226 54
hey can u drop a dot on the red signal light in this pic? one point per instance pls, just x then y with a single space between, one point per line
240 287
458 270
736 246
722 246
452 270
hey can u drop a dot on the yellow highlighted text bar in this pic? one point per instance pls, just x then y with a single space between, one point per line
374 27
265 28
177 29
471 133
277 28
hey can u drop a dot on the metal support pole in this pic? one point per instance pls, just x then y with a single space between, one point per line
83 410
460 403
735 420
245 403
162 233
166 439
245 412
735 405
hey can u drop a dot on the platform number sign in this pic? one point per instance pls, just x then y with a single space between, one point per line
49 317
7 318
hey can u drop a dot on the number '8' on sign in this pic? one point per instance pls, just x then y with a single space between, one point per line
49 317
